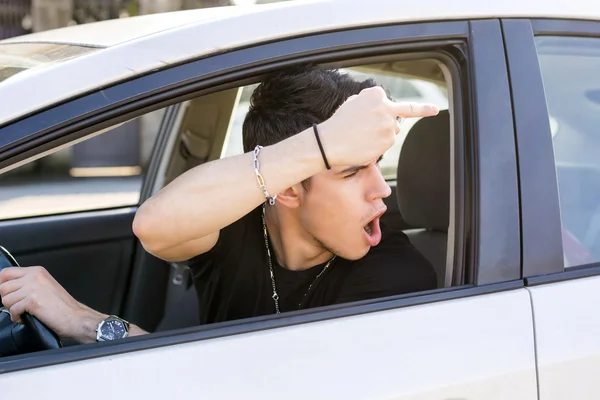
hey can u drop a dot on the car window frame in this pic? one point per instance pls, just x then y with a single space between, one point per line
166 141
492 233
540 208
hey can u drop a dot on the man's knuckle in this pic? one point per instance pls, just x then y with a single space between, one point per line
373 93
33 301
380 113
7 303
5 274
40 274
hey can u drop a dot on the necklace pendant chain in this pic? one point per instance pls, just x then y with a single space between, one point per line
275 295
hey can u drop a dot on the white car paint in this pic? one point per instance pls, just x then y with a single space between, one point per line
568 338
229 30
470 349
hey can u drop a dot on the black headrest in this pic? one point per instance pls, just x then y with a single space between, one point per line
423 180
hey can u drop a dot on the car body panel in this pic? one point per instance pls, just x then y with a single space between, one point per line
567 331
496 186
565 296
455 349
540 211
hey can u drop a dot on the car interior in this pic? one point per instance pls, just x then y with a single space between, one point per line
96 257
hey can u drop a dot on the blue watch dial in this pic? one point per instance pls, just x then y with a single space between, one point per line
113 330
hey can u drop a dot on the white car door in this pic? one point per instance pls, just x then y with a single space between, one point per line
554 68
470 348
471 339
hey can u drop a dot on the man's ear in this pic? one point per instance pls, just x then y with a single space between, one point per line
290 197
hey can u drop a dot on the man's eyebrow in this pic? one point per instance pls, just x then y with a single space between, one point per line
356 168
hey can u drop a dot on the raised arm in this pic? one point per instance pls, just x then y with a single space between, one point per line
184 218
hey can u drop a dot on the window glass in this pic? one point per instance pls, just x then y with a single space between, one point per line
570 68
103 172
414 81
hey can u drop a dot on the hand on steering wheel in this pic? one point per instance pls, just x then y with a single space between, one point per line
29 335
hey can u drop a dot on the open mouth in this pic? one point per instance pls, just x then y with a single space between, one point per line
373 232
369 228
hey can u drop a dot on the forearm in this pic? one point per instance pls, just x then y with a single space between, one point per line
209 197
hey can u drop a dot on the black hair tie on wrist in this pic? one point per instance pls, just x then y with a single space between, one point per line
321 146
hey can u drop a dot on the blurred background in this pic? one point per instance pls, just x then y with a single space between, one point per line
19 17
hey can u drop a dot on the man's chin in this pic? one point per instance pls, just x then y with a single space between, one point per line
354 254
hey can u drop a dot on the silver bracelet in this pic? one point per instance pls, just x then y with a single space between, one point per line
260 179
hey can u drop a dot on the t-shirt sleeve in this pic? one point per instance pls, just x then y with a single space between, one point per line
393 267
217 251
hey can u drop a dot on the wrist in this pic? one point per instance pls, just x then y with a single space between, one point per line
318 139
86 324
327 148
306 148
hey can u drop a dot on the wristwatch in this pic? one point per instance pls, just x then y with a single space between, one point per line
112 328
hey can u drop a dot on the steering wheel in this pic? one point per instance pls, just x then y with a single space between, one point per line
32 335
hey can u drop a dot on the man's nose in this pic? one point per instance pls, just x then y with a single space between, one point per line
379 187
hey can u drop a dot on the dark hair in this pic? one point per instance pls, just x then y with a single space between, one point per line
290 101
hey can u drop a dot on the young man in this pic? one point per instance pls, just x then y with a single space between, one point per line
293 223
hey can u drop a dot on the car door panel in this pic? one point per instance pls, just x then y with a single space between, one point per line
89 253
551 82
567 332
431 351
460 343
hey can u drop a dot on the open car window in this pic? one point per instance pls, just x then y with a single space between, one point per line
103 172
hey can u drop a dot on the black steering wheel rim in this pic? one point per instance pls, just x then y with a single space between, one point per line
9 256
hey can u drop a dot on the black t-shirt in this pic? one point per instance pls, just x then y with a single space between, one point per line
233 279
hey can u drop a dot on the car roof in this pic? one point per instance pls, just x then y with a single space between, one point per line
115 31
132 46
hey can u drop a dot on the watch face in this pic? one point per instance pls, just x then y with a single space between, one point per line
113 330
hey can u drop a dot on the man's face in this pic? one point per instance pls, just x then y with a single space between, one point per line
342 206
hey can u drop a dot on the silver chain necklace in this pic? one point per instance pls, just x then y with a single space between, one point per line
275 296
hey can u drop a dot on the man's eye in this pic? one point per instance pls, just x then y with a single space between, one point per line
351 175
